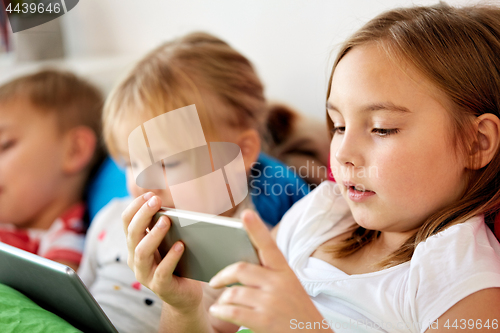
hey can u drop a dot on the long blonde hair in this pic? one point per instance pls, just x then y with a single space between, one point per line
457 49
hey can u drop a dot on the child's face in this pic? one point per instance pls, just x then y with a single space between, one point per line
121 135
393 139
177 168
248 140
31 153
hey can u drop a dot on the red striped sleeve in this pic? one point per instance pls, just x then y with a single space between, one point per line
61 254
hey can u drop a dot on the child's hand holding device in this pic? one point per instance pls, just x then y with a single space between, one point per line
270 295
211 243
144 259
263 297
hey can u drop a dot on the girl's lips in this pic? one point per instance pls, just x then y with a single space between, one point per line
359 196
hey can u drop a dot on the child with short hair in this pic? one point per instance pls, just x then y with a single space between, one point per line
197 69
49 145
399 243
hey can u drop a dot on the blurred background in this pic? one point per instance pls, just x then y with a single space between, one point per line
292 43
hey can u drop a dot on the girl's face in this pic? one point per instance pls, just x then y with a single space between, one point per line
122 133
181 167
393 141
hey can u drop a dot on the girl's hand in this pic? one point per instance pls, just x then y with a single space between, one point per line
271 295
155 273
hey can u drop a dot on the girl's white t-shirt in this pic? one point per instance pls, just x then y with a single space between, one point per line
409 297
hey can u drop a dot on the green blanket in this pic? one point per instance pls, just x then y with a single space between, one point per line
19 314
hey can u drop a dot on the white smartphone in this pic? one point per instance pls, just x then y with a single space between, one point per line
211 243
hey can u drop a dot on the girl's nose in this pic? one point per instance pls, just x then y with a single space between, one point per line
349 151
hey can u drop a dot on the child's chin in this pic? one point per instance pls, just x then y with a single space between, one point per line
365 220
168 206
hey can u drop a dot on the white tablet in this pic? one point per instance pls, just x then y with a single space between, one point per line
53 286
211 243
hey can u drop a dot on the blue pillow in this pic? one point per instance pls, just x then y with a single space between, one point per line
274 188
108 183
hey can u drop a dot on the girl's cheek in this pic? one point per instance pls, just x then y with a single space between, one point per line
334 146
134 191
132 187
333 150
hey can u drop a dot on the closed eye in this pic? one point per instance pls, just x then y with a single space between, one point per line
6 145
338 130
125 163
172 164
385 131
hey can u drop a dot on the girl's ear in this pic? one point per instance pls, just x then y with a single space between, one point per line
80 144
486 141
249 142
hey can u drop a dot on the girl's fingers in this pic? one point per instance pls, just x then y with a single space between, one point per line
241 272
235 314
269 253
141 220
166 268
244 296
144 256
132 209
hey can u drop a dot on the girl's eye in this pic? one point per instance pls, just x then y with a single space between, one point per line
385 131
126 164
338 130
172 164
6 145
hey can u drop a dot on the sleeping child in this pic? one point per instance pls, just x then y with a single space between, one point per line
49 125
